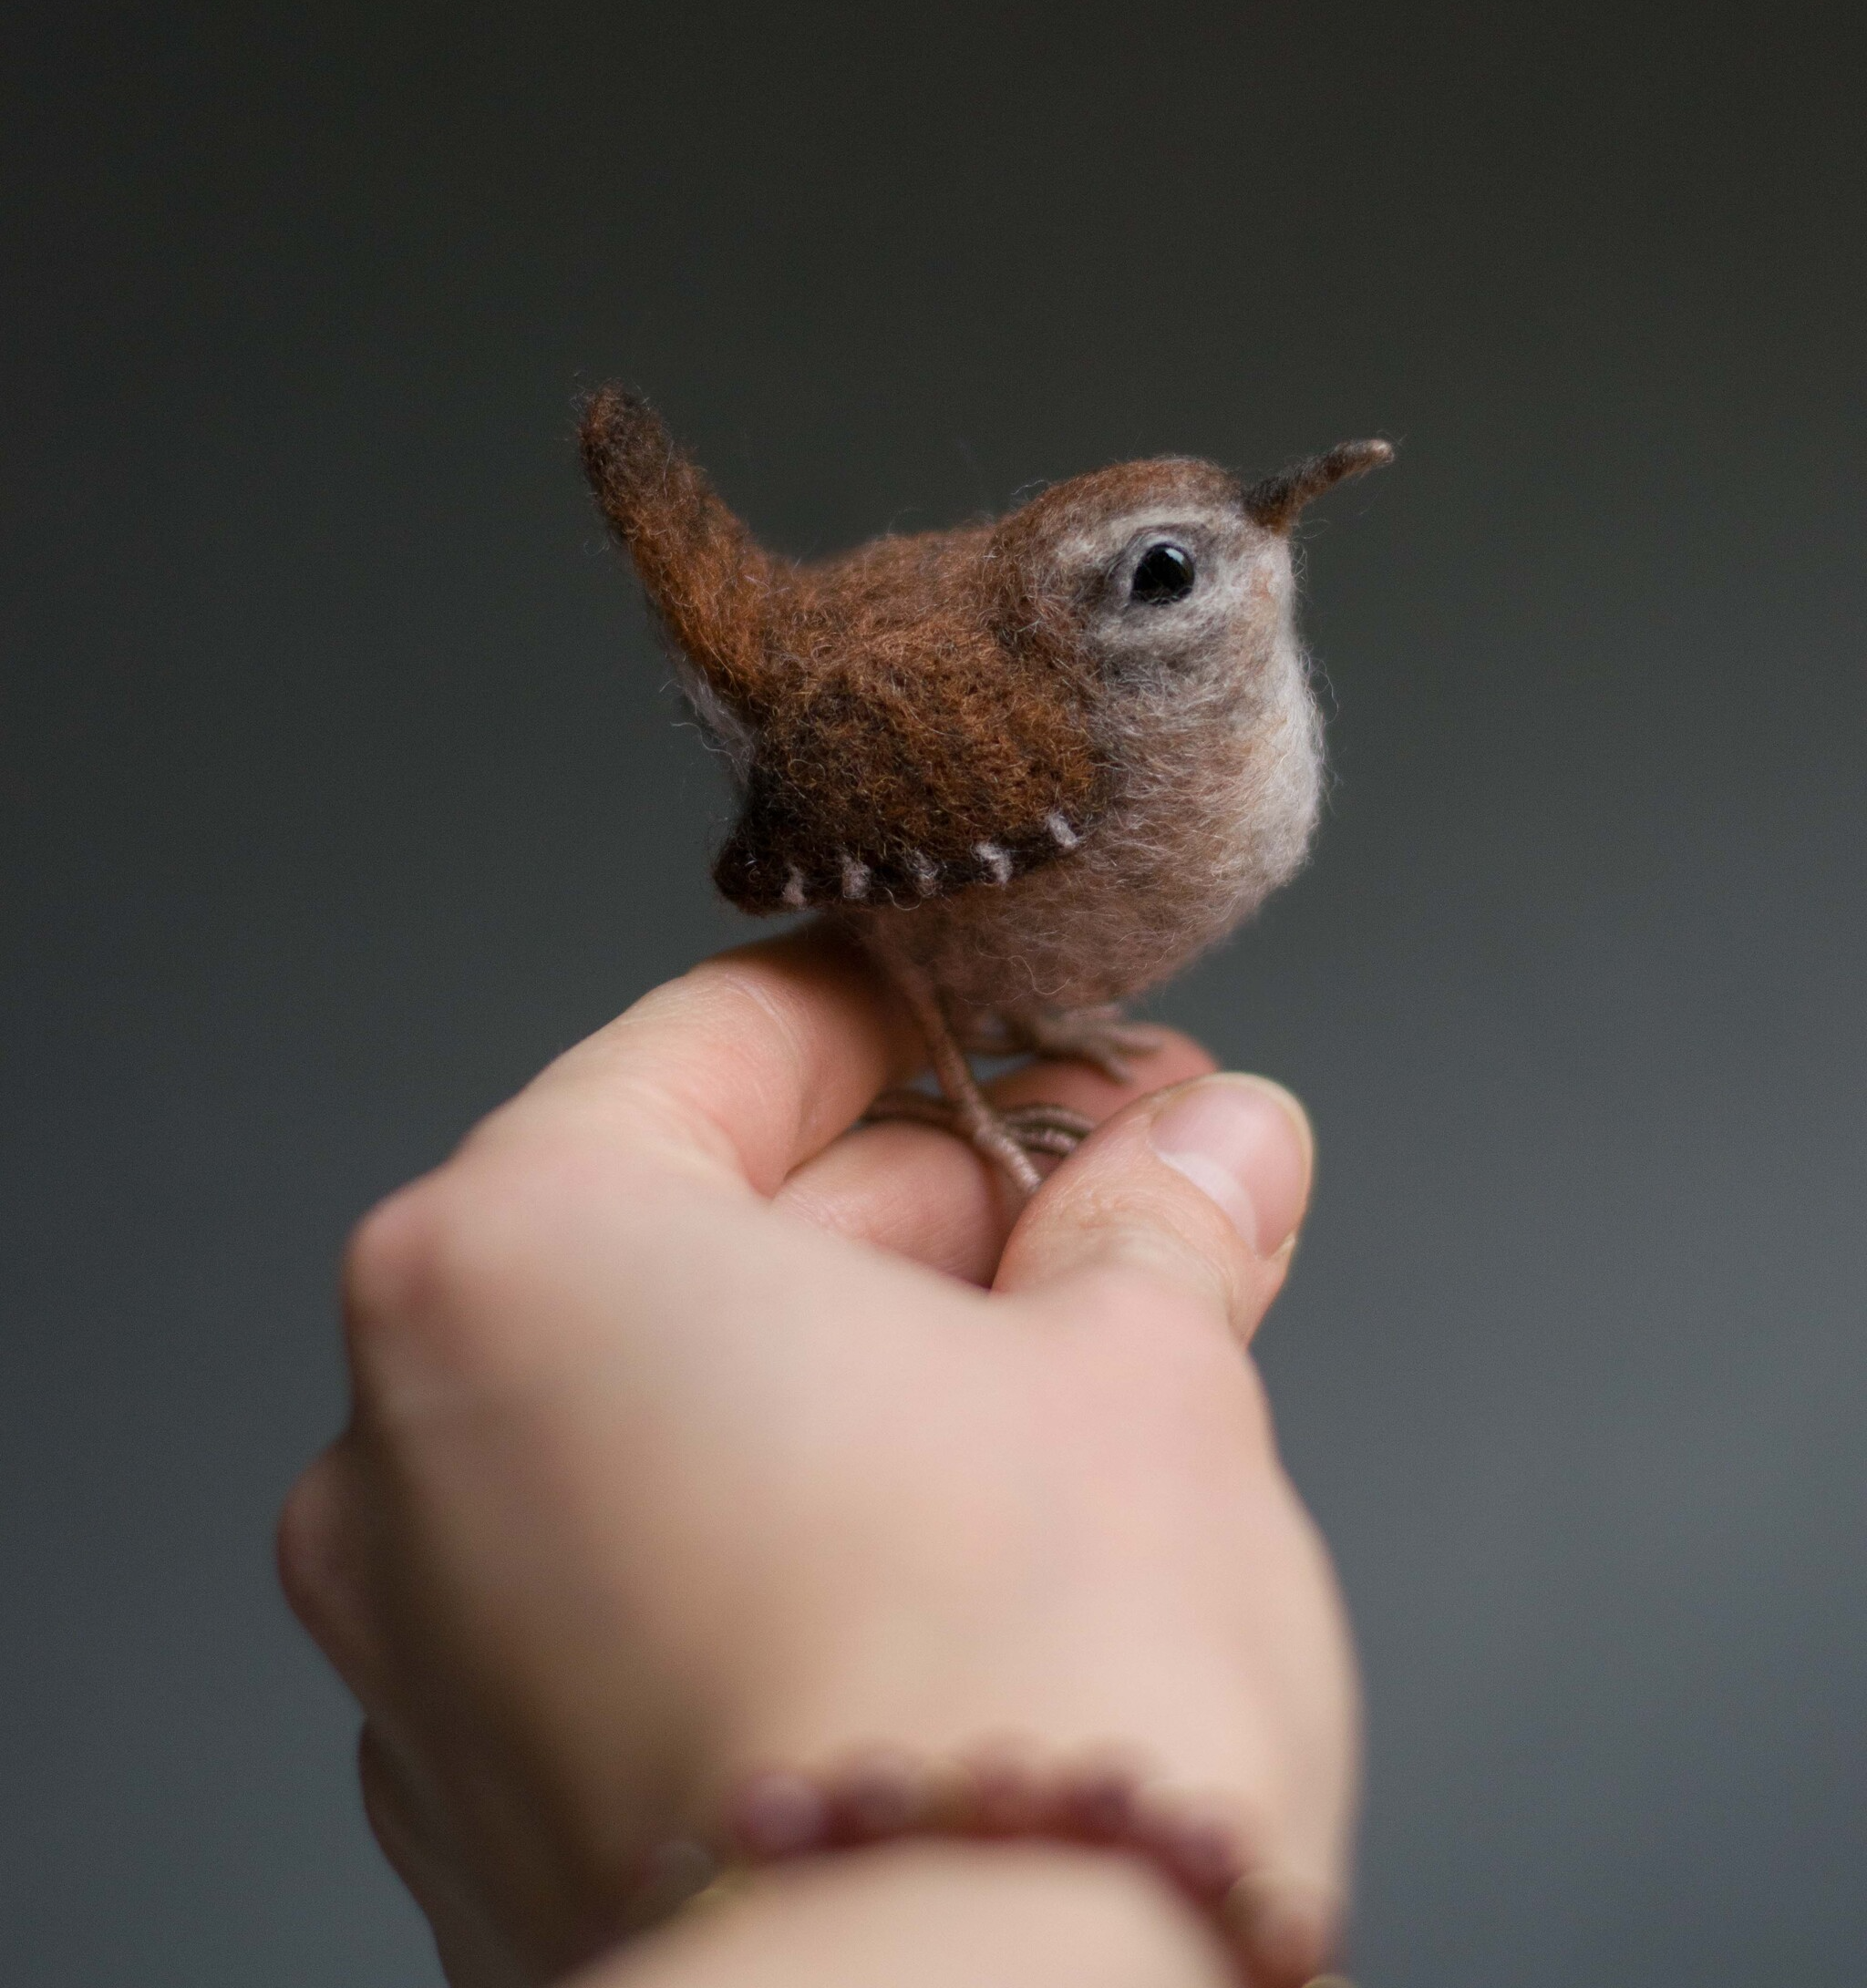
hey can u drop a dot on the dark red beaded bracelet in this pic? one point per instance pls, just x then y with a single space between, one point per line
1274 1939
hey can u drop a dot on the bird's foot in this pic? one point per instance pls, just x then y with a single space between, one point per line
1100 1038
1051 1129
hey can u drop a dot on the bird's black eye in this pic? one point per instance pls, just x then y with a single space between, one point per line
1164 576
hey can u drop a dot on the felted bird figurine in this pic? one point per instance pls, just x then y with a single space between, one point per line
1035 764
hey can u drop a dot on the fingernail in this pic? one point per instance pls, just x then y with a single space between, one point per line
1246 1144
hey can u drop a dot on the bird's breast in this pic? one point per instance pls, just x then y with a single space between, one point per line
1217 800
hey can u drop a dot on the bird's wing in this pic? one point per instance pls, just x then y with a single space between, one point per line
896 788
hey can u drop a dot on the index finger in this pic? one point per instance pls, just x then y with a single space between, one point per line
739 1070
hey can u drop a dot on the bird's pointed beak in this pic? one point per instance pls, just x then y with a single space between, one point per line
1274 501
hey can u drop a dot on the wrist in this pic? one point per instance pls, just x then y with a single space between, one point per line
932 1912
1276 1927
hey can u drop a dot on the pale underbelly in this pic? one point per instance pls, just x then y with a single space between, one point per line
1191 853
1077 934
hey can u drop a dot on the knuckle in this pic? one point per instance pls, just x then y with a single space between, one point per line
415 1271
1163 1365
1147 1264
392 1254
1137 1278
386 1805
1176 1341
302 1541
321 1572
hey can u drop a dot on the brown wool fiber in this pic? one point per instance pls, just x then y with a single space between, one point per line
1037 766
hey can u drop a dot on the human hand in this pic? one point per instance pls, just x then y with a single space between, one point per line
682 1446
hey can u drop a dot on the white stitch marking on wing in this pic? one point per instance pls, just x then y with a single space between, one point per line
1061 833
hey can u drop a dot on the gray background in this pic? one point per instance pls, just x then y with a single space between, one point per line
342 786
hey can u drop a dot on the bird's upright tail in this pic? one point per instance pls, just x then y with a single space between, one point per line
704 574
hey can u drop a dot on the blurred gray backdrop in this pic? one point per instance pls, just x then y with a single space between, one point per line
342 785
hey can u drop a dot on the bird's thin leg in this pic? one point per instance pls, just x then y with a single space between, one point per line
1098 1037
976 1118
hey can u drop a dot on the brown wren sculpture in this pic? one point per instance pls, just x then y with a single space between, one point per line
1035 766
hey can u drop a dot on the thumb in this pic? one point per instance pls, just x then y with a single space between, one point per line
1200 1188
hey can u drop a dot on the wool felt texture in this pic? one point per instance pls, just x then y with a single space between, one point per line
1037 765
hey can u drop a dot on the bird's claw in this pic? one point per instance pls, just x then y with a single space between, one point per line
1054 1130
1098 1037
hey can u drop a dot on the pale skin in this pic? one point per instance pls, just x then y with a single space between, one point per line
698 1430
